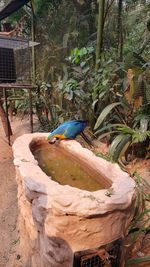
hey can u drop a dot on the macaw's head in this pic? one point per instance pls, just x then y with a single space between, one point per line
85 124
49 136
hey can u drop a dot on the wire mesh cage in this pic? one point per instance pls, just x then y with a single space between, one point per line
15 60
108 256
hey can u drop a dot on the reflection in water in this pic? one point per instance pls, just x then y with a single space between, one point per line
64 169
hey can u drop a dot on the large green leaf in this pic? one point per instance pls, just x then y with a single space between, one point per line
119 146
94 104
134 261
115 143
104 114
141 216
106 134
101 95
108 127
126 130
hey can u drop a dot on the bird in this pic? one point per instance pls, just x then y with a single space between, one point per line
69 130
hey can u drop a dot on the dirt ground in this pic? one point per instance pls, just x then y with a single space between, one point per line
9 235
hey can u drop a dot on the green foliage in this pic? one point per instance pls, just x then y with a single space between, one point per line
138 135
119 146
136 261
75 85
140 223
82 56
143 113
123 136
126 137
49 113
21 105
87 89
104 113
136 22
104 156
125 123
49 5
71 89
85 92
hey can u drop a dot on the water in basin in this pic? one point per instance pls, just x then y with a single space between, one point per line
64 169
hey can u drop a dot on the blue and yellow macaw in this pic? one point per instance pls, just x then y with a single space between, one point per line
69 130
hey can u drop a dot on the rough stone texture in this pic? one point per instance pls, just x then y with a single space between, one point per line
56 221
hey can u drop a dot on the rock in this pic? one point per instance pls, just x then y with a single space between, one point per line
56 221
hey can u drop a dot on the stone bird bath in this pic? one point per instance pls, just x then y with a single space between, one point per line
57 221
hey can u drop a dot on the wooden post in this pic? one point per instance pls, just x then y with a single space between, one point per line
10 110
4 115
9 132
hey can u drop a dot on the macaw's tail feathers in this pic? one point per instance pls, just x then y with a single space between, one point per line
87 139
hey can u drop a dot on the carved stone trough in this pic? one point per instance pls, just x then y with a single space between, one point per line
56 221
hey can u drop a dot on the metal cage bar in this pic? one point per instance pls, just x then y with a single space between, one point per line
109 254
4 88
15 60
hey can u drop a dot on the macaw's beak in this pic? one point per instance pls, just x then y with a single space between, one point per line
52 140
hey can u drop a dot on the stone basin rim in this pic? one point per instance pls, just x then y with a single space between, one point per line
67 199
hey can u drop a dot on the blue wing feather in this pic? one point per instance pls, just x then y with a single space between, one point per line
70 128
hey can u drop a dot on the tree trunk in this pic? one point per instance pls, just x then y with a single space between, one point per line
100 31
4 120
33 22
120 34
